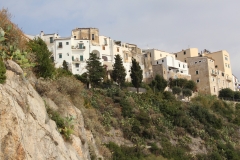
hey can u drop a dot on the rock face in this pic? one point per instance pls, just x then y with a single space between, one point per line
26 131
11 65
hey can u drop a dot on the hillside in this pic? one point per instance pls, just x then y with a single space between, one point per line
111 123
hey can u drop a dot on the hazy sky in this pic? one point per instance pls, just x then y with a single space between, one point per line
168 25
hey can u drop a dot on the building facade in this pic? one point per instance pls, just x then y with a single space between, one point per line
170 68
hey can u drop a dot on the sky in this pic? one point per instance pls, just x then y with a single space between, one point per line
167 25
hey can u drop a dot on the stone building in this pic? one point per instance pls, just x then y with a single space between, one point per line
209 79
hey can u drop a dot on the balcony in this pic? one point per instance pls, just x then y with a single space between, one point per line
214 73
59 46
78 48
228 79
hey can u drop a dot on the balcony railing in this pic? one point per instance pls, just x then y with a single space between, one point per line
77 47
214 73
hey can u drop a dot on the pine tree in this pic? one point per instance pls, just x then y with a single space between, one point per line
119 72
136 74
44 66
95 70
2 72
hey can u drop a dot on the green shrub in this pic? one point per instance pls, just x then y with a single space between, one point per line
2 72
124 152
127 108
203 115
64 125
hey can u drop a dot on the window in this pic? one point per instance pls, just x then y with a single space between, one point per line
81 46
103 47
226 58
60 45
225 64
184 52
196 72
77 65
150 54
179 64
223 74
73 58
81 58
199 61
157 62
75 37
51 39
93 37
117 49
162 60
175 55
67 43
160 55
60 55
185 60
145 55
228 66
195 62
214 89
213 79
181 71
183 66
67 54
198 80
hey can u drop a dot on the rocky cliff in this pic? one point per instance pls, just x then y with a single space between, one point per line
27 132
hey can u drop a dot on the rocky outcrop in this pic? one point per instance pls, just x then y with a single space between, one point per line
26 131
12 66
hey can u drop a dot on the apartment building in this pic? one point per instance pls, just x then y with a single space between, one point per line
209 79
236 83
169 67
149 57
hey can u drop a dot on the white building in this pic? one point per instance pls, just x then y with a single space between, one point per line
169 67
75 50
236 83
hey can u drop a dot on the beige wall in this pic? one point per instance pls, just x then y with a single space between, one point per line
182 55
87 34
222 63
151 55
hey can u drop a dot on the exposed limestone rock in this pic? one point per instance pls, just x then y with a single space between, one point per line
13 66
27 133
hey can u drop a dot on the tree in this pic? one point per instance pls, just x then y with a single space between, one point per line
136 74
119 73
95 70
191 85
226 93
65 66
159 82
176 90
44 66
236 95
187 93
2 72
